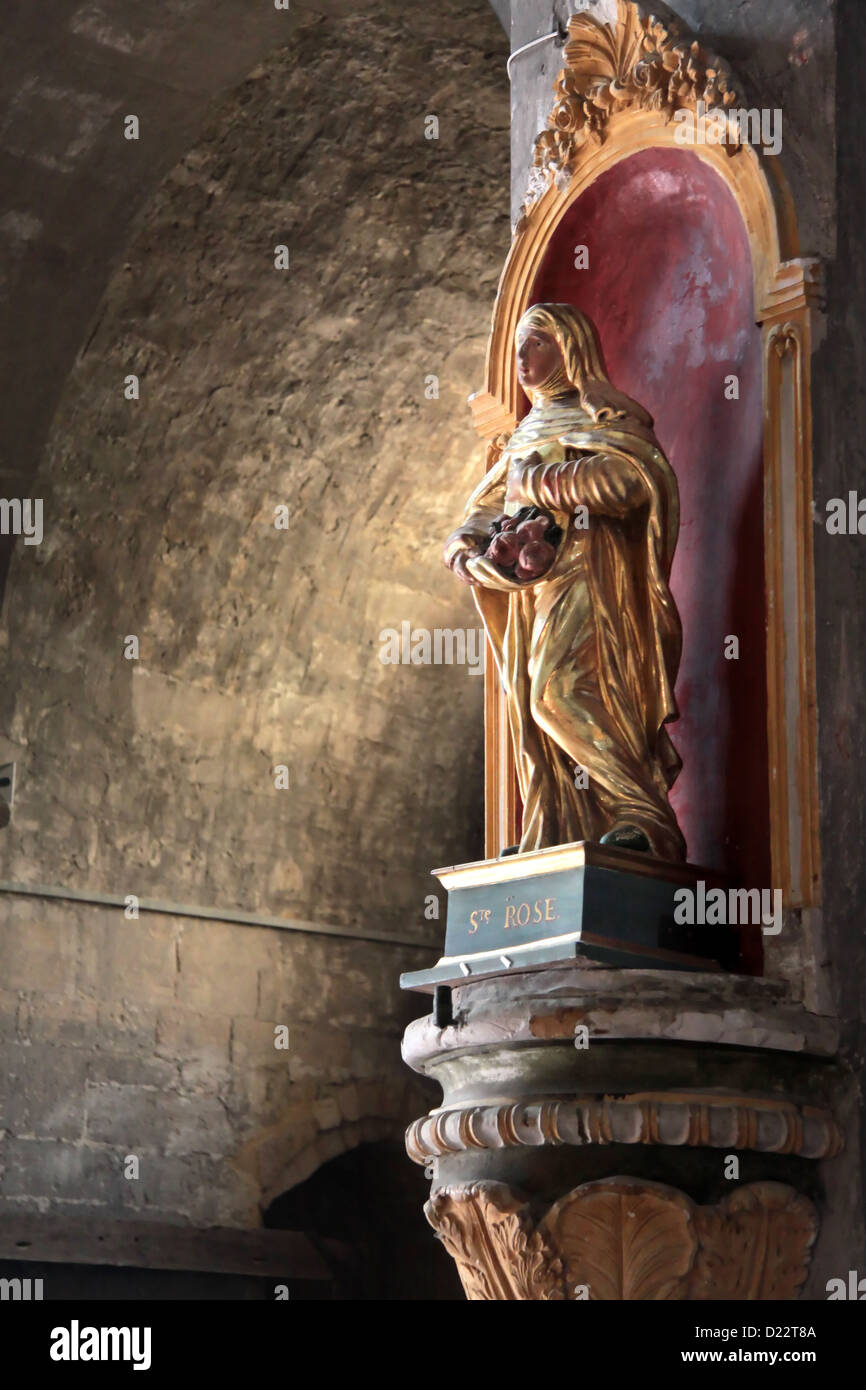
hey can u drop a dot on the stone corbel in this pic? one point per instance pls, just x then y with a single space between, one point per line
592 1119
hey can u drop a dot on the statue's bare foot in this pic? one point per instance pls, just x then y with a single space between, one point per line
626 837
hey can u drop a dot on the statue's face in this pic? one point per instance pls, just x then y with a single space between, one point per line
538 356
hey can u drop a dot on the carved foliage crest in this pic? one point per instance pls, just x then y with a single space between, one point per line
641 62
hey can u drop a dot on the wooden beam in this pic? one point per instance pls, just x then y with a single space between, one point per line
96 1240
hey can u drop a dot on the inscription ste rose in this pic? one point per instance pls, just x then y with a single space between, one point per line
516 914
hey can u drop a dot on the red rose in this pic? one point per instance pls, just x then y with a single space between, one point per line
535 559
504 549
533 530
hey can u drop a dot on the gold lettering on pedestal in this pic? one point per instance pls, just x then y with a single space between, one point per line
481 914
521 914
516 914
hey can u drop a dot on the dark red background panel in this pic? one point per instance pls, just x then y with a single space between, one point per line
669 285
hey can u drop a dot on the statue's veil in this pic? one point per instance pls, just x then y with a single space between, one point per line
584 363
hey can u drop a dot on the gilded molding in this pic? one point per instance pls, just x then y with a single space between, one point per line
621 1239
791 706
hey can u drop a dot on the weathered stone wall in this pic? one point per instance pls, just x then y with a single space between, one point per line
157 1039
258 646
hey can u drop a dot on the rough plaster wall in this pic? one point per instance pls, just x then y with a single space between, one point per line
258 646
72 184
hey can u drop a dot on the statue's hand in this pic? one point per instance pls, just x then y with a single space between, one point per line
514 487
458 565
460 547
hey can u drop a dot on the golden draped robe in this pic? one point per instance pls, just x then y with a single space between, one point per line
588 654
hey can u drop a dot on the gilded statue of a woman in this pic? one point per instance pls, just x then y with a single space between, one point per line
587 654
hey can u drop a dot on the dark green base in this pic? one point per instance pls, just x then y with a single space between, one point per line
606 905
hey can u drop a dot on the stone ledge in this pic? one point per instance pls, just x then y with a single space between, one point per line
698 1007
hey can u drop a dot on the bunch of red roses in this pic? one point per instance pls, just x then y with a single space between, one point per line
523 546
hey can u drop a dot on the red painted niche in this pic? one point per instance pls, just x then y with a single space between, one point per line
669 284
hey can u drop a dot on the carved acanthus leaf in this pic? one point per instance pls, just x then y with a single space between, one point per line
625 1240
489 1232
755 1244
